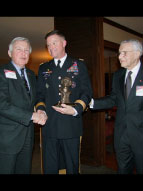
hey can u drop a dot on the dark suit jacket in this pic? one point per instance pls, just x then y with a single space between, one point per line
15 109
58 125
129 114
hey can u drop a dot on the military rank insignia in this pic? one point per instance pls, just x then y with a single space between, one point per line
47 74
73 68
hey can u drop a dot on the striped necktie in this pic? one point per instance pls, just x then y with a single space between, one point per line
25 81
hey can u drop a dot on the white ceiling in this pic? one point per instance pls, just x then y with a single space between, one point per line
34 28
134 23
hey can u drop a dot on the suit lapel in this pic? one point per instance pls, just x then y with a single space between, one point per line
31 83
11 67
139 78
20 82
68 63
122 83
52 66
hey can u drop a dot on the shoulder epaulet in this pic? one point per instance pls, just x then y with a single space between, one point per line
78 59
42 63
46 62
81 59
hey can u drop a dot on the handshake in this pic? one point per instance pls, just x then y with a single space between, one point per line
39 117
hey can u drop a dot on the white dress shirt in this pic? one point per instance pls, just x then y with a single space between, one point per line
61 59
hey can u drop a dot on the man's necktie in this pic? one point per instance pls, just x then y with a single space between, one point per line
25 81
128 84
58 64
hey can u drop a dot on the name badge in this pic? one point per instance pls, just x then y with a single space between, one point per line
10 74
139 90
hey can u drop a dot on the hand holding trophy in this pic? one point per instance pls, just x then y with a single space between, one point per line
64 106
66 82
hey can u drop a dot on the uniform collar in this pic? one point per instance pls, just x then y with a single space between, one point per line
61 59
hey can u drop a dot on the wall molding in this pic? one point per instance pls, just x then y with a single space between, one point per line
122 27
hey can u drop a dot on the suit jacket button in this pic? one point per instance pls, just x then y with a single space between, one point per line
59 77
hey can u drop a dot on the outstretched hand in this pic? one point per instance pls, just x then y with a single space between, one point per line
65 109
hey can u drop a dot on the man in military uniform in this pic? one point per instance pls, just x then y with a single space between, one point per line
62 131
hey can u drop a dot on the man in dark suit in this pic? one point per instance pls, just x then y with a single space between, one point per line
127 96
62 131
17 98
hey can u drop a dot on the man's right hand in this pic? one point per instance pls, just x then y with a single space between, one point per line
39 117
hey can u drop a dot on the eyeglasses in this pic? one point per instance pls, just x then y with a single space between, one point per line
124 53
